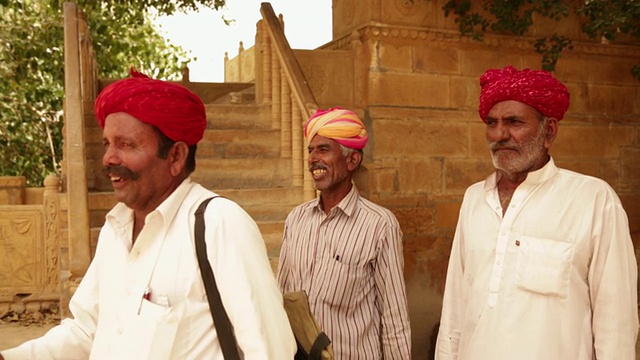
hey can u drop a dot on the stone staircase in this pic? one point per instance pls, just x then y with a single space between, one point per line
239 158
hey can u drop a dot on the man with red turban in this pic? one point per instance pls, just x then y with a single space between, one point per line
542 265
344 251
143 296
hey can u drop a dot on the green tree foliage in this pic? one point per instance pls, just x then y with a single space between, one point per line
601 18
32 68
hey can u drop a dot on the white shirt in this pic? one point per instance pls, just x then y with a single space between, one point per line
553 279
113 321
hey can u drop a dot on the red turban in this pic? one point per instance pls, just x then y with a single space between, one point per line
175 111
341 125
536 88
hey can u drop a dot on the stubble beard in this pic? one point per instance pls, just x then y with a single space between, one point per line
529 153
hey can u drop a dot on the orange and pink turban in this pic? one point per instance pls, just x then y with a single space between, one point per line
341 125
174 110
536 88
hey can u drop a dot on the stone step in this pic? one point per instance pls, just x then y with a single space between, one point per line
239 143
268 213
269 204
243 116
220 143
272 234
243 173
265 197
244 96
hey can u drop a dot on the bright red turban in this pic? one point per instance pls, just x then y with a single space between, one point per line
341 125
536 88
174 110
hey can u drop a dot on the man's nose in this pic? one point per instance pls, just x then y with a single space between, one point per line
498 132
110 156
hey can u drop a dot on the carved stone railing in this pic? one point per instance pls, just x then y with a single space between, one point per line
242 68
29 252
80 68
281 83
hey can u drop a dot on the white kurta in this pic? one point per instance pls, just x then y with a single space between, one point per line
553 279
112 320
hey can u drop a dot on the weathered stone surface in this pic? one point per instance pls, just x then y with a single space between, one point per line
459 174
419 220
591 141
18 307
420 138
409 89
447 214
12 190
33 306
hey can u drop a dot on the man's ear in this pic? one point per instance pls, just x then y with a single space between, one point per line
354 160
551 132
178 157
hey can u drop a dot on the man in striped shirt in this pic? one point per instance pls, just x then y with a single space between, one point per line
345 251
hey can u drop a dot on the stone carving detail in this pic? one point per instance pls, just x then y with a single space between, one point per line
376 32
52 269
20 251
408 7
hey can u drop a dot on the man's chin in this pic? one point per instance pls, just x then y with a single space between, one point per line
119 195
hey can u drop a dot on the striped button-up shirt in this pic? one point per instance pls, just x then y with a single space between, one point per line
350 263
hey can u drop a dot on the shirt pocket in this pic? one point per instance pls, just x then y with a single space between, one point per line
344 282
155 330
543 266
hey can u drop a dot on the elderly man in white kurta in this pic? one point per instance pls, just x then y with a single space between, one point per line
542 264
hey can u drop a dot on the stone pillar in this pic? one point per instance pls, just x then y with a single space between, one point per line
51 214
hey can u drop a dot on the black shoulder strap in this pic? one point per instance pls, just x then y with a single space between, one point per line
321 342
220 319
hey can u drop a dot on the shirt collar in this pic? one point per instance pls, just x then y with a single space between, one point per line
121 214
347 204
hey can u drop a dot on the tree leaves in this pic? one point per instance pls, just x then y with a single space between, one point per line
32 69
606 18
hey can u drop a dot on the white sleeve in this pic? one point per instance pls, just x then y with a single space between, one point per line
246 283
613 284
448 340
72 339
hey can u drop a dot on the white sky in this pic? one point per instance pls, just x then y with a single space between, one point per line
204 35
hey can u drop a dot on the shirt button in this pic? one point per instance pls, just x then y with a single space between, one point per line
119 331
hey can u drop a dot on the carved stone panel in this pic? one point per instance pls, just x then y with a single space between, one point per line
22 263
